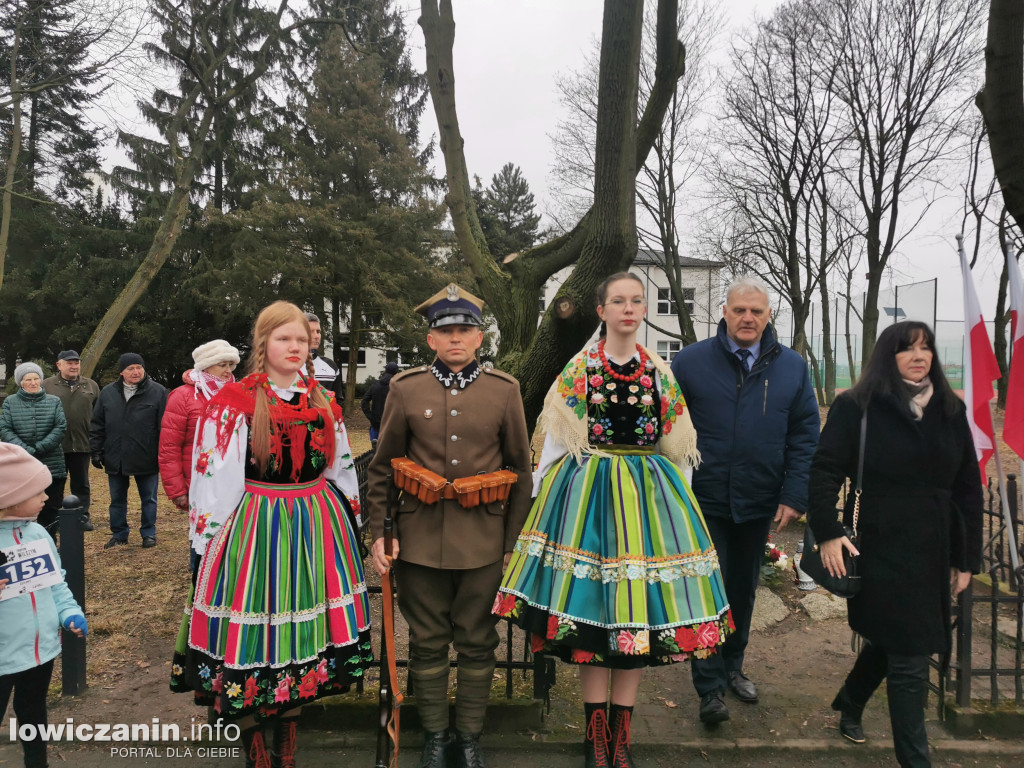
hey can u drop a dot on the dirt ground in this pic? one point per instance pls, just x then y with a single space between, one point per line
135 599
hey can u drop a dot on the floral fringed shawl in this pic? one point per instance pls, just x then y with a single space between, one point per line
565 411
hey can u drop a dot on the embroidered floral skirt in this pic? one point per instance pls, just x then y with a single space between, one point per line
279 614
615 566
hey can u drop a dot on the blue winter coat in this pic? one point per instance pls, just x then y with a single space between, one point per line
30 624
756 433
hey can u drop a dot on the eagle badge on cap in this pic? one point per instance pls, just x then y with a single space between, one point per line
428 413
453 292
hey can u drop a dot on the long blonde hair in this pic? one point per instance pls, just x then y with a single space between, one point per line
272 317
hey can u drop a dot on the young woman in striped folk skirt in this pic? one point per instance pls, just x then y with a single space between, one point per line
614 569
278 614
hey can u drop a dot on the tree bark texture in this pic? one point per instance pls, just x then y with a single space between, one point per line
12 157
1001 101
163 243
604 241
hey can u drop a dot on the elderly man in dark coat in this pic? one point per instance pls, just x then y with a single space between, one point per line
125 438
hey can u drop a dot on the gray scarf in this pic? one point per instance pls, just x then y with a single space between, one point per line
919 393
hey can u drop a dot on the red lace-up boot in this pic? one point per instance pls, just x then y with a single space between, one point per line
595 747
619 746
255 748
283 754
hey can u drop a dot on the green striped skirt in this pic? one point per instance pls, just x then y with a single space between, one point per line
279 614
615 566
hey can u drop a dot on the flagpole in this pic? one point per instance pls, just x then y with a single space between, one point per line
1005 504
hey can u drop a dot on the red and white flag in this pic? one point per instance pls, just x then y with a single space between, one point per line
980 370
1013 424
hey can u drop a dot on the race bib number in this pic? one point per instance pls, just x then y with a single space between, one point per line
29 567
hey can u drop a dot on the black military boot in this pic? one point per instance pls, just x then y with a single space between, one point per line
467 751
436 749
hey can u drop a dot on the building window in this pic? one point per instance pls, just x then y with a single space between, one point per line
342 360
668 307
373 320
667 350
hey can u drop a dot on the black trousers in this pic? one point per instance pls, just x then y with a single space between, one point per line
907 686
78 472
49 517
30 687
740 548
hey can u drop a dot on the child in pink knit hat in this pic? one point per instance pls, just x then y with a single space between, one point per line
33 606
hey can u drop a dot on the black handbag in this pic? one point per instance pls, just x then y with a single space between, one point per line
810 563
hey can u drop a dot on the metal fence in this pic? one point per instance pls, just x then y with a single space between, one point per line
987 664
516 642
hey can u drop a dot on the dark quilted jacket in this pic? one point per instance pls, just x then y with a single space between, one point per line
36 422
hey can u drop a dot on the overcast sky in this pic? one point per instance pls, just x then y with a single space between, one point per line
507 55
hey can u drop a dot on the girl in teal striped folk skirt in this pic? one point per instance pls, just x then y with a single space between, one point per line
614 569
278 615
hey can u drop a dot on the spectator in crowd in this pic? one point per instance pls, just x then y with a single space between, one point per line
757 425
30 623
919 526
78 395
375 397
124 440
280 615
213 364
35 421
325 369
455 420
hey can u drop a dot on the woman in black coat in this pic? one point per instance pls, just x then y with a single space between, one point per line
919 529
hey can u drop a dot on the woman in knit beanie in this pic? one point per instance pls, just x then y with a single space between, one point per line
213 366
34 420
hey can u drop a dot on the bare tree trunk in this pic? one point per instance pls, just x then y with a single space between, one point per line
604 241
1001 101
163 243
12 157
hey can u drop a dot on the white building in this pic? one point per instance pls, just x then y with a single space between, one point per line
702 287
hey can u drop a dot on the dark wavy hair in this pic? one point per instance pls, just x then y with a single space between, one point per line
881 376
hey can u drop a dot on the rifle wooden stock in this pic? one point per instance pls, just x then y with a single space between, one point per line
390 698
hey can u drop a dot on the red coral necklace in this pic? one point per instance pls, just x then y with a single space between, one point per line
618 376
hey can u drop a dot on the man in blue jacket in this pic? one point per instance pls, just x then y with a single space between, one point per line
757 425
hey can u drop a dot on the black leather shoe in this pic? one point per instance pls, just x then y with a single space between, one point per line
713 709
467 751
115 542
149 541
743 687
87 524
435 750
849 717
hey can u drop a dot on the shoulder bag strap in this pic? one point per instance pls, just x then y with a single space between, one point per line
860 470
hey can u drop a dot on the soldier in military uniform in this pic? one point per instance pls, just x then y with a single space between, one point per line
458 420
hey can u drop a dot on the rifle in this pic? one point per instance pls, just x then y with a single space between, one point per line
389 700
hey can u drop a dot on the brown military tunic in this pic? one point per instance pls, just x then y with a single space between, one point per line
457 430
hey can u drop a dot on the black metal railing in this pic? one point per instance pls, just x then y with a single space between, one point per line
987 663
542 668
